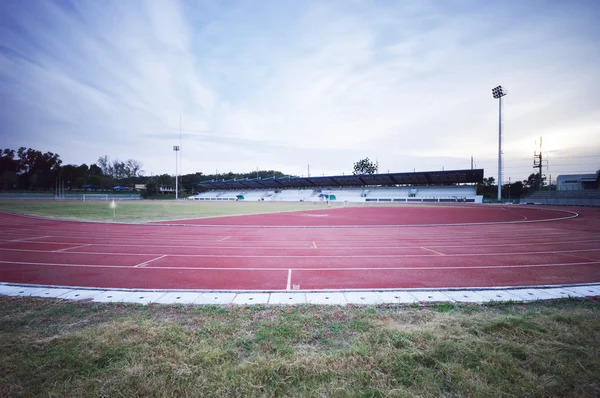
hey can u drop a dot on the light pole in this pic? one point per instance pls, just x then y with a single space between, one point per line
176 149
498 93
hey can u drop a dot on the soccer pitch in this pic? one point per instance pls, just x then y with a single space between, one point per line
140 211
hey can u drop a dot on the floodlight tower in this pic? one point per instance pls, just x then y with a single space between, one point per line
176 149
498 93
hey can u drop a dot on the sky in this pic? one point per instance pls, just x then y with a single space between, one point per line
292 84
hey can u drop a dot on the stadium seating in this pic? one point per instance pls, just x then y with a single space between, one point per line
466 193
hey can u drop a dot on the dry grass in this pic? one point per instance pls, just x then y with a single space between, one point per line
57 348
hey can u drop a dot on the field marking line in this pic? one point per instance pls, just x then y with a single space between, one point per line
225 238
69 248
314 245
149 261
337 269
289 280
433 251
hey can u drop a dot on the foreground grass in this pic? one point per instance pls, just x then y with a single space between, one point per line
57 348
148 210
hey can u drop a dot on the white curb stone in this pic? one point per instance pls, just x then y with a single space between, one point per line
113 296
52 292
530 294
326 298
498 295
81 294
287 298
144 297
585 290
296 297
465 296
396 297
178 298
430 296
251 298
366 298
215 298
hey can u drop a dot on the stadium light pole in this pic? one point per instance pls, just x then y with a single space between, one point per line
176 149
498 93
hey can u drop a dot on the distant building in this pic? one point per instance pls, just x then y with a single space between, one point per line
577 182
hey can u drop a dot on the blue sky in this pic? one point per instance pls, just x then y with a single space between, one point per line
283 84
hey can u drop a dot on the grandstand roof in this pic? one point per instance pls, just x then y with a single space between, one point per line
416 178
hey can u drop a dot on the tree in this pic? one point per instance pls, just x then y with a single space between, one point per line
489 182
134 168
105 165
533 181
8 179
365 166
8 161
38 170
151 189
95 170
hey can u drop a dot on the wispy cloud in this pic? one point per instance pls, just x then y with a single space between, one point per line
284 84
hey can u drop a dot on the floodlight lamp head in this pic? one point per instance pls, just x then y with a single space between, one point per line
498 92
176 148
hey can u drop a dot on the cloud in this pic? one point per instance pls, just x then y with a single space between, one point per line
285 84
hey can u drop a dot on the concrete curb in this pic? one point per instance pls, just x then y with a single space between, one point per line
480 295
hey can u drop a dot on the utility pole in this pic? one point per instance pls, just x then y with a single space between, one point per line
471 162
537 163
308 174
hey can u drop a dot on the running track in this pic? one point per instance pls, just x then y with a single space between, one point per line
342 248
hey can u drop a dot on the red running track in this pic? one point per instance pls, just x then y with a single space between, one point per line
345 248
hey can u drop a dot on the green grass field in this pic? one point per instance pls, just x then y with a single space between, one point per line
55 348
137 211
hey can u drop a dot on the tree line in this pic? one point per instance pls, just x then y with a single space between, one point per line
28 169
31 170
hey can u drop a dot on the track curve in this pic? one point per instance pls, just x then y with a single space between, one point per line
451 247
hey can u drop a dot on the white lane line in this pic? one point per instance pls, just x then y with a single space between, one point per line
225 238
433 243
311 268
69 248
433 251
149 261
28 239
289 280
315 256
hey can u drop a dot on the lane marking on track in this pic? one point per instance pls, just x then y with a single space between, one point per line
311 256
225 238
149 261
69 248
314 245
308 269
289 280
26 239
575 256
433 251
432 242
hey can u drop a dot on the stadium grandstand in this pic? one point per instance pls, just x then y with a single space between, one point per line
417 187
